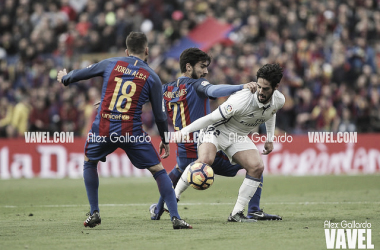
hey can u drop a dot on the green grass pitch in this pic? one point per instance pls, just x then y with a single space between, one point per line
49 214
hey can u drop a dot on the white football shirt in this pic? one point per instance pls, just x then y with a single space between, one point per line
242 112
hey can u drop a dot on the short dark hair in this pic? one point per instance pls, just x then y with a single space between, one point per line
136 42
192 56
270 72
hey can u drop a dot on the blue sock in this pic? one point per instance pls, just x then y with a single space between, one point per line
165 187
254 203
174 175
91 181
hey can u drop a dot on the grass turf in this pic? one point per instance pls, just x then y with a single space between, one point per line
49 214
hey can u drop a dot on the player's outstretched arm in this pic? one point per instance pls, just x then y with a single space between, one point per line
93 70
203 122
215 91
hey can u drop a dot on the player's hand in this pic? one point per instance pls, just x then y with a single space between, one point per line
96 104
268 147
61 74
252 86
166 149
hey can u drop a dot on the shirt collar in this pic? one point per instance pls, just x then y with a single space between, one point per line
271 102
137 58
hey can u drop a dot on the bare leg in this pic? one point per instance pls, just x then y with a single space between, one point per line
206 154
251 161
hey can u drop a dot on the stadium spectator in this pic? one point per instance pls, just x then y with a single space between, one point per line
20 116
329 43
6 110
346 124
39 117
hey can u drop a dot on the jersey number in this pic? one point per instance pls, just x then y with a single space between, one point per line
174 106
212 130
124 95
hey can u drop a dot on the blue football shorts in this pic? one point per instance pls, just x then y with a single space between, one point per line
142 154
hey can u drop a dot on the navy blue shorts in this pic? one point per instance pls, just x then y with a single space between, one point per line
142 154
221 166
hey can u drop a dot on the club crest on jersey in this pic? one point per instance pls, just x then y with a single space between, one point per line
205 83
228 108
274 111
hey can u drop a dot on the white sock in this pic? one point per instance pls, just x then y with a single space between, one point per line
246 191
182 183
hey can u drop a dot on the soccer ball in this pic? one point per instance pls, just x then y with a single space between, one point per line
200 176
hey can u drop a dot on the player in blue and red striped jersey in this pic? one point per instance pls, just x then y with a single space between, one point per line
128 83
187 99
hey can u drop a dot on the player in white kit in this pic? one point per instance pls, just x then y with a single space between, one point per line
228 128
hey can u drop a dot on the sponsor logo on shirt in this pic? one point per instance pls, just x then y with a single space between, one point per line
228 108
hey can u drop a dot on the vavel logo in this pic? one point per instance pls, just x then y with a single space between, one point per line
348 235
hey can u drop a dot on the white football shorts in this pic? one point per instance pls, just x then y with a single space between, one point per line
230 143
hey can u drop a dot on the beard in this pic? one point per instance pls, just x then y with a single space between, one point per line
194 76
266 99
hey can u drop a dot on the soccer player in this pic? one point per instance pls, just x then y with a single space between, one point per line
186 100
128 83
227 129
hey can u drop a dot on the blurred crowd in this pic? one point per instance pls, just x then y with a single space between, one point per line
329 51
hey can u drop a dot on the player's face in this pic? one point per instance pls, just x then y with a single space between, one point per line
199 70
264 90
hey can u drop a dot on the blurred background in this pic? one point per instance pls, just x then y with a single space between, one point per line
329 50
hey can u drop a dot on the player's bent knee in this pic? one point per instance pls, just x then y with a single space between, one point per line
88 160
256 170
154 169
259 169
